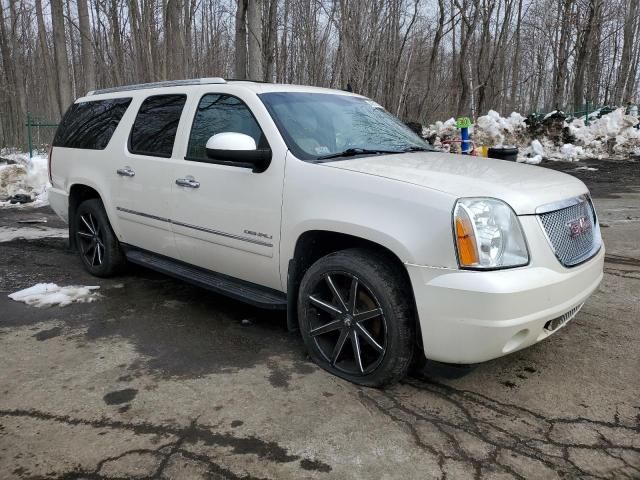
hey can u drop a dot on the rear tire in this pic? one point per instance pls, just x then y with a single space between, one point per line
357 318
96 242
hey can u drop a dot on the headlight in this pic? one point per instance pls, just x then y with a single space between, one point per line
488 234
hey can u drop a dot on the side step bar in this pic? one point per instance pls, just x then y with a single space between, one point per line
251 293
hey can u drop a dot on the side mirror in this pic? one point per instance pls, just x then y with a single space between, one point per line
238 149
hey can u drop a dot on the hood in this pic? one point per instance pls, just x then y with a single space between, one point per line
524 187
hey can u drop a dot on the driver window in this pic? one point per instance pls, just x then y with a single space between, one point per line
217 114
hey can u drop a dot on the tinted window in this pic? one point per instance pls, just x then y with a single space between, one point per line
217 114
90 125
154 130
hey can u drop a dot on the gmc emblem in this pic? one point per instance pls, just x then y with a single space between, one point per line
578 226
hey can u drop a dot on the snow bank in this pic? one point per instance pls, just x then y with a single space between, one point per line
494 130
26 176
613 135
50 294
8 234
490 129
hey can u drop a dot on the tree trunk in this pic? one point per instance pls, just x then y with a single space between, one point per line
50 83
62 60
86 47
254 41
623 80
560 73
241 40
515 64
270 42
584 41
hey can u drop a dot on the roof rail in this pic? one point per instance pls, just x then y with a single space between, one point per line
168 83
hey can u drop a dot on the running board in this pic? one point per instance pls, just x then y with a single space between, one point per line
251 293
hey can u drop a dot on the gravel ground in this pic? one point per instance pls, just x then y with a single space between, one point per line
159 379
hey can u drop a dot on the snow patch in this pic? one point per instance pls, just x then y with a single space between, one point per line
49 295
533 154
494 130
25 176
9 234
570 152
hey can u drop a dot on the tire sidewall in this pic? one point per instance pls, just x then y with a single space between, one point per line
113 257
398 318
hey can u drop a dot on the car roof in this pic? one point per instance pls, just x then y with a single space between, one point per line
167 87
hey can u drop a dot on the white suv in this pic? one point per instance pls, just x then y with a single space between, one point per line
320 202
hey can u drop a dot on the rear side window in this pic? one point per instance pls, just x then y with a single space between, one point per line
217 114
90 125
154 130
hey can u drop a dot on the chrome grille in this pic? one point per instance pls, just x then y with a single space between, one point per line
572 231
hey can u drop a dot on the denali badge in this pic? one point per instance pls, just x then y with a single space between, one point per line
259 234
578 226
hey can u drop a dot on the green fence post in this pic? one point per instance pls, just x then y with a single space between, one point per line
586 121
29 139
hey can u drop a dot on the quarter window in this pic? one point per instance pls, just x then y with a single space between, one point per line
90 125
154 130
217 114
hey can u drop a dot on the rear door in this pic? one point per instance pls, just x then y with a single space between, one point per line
228 221
143 175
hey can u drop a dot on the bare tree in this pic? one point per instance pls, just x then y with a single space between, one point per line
422 59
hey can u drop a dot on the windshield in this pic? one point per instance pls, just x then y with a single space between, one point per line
323 126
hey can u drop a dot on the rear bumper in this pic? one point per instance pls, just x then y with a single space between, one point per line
59 202
471 317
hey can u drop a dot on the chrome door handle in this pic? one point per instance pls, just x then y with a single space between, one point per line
126 172
188 182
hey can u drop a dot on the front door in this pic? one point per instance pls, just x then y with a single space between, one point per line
227 218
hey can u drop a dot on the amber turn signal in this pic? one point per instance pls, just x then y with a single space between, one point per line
466 240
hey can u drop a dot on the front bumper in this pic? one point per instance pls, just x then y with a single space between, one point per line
470 316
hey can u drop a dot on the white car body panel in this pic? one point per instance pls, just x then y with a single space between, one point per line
248 224
524 187
141 202
241 207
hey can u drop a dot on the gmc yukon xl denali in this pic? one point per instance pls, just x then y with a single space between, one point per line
321 203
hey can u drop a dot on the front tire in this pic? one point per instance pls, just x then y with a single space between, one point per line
356 317
97 244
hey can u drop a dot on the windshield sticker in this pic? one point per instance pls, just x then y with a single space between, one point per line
322 150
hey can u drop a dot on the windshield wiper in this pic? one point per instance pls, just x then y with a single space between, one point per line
350 152
418 149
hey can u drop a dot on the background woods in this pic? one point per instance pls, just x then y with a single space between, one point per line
421 59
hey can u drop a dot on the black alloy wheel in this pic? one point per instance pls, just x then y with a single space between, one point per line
90 240
349 330
357 316
95 240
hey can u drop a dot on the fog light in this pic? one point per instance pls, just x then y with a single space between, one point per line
516 341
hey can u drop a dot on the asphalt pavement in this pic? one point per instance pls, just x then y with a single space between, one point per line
159 379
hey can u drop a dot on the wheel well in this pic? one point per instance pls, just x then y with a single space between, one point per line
78 194
315 244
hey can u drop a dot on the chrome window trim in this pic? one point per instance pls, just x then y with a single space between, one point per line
196 227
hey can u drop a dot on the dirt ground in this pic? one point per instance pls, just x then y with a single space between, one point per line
159 379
